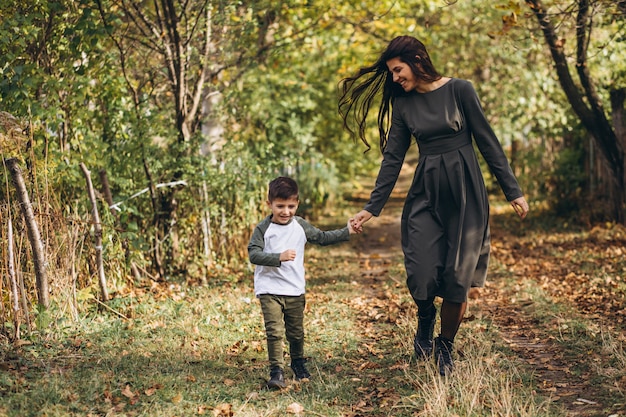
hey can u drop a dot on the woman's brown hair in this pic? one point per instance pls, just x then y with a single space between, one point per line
359 91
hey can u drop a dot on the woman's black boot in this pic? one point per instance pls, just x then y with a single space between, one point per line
423 341
443 355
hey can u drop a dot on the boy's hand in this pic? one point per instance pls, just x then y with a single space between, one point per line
288 255
351 229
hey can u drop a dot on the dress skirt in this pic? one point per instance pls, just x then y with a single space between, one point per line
445 227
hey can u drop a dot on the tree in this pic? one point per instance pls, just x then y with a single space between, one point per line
586 99
168 56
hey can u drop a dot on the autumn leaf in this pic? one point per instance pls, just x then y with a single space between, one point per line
295 408
223 410
127 392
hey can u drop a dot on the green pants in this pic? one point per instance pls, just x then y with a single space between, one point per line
283 317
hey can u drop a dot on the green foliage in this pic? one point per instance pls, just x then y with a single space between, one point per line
93 90
569 179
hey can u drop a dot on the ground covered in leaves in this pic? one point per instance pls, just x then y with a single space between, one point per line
552 293
545 337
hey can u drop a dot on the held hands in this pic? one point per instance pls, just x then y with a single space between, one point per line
520 206
288 255
350 228
356 223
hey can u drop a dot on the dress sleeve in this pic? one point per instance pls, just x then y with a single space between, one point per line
488 143
323 238
398 143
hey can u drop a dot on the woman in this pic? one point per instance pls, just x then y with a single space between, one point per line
445 220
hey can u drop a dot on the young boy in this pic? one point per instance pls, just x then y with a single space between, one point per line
277 249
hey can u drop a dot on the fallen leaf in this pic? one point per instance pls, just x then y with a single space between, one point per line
223 410
177 398
127 392
294 408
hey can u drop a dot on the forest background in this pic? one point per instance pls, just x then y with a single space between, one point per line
186 109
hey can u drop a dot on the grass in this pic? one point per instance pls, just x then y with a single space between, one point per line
190 350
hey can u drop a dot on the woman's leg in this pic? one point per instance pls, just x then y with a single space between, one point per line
451 317
426 316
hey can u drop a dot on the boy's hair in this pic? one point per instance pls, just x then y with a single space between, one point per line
283 188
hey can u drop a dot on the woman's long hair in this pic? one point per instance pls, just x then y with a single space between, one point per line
359 91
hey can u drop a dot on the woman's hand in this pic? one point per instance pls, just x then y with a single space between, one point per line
520 206
357 221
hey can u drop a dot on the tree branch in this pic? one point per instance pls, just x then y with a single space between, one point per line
592 116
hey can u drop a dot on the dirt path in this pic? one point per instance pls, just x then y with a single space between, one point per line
532 342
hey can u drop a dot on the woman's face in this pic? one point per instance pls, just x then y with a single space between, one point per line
402 74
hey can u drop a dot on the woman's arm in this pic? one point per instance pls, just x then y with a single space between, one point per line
398 143
488 143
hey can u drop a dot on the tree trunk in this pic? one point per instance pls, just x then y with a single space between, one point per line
97 233
206 233
34 236
106 190
618 98
586 104
13 278
156 253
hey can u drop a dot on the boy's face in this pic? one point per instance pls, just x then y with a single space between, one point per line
283 210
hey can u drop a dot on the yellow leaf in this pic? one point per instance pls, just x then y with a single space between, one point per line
177 398
85 294
223 410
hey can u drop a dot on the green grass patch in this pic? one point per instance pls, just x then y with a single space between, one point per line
186 351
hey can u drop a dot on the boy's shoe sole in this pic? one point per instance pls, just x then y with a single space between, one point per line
276 384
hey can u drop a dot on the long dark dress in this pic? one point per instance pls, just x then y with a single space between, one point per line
445 220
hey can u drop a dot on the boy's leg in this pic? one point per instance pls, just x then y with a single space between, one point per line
294 325
272 307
